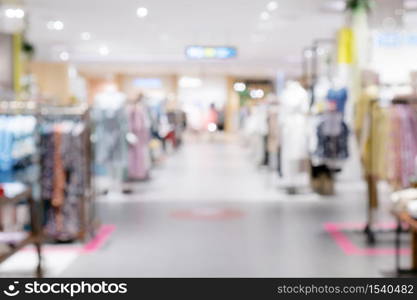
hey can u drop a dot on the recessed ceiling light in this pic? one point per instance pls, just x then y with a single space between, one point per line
9 13
14 13
55 25
272 5
64 55
19 13
264 16
142 12
59 25
239 86
104 50
257 93
86 36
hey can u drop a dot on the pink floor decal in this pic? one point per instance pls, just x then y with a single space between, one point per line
335 230
101 237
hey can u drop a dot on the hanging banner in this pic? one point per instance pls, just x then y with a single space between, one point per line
345 46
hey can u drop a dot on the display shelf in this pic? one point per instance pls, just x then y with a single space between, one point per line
34 236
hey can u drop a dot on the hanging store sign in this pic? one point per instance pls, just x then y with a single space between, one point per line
151 83
203 52
394 55
396 39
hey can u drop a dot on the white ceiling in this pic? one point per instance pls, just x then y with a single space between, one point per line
156 43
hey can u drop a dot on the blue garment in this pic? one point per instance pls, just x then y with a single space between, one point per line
17 145
339 97
6 146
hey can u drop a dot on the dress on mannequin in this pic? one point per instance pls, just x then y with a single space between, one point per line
110 132
139 156
294 105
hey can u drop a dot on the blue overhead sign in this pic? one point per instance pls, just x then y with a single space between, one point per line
203 52
396 39
153 83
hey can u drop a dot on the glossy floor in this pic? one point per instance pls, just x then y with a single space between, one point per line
209 211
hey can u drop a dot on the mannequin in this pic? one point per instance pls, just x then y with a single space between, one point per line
110 135
110 99
337 95
294 105
139 129
328 142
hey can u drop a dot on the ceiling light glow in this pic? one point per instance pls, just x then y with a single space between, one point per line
239 86
64 56
85 36
272 5
104 50
257 94
55 25
264 16
19 13
14 13
142 12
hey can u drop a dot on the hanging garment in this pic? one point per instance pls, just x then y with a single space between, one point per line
339 98
258 131
388 142
17 148
372 129
294 105
59 179
138 155
110 130
402 145
332 141
64 177
273 131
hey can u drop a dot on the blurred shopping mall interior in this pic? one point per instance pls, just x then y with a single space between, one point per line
268 138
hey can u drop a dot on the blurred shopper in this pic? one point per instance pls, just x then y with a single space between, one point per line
212 119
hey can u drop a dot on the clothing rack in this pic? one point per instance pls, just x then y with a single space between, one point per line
23 108
87 216
371 180
35 237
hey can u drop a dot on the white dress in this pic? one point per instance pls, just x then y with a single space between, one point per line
294 105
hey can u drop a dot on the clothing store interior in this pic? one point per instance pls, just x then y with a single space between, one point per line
238 138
